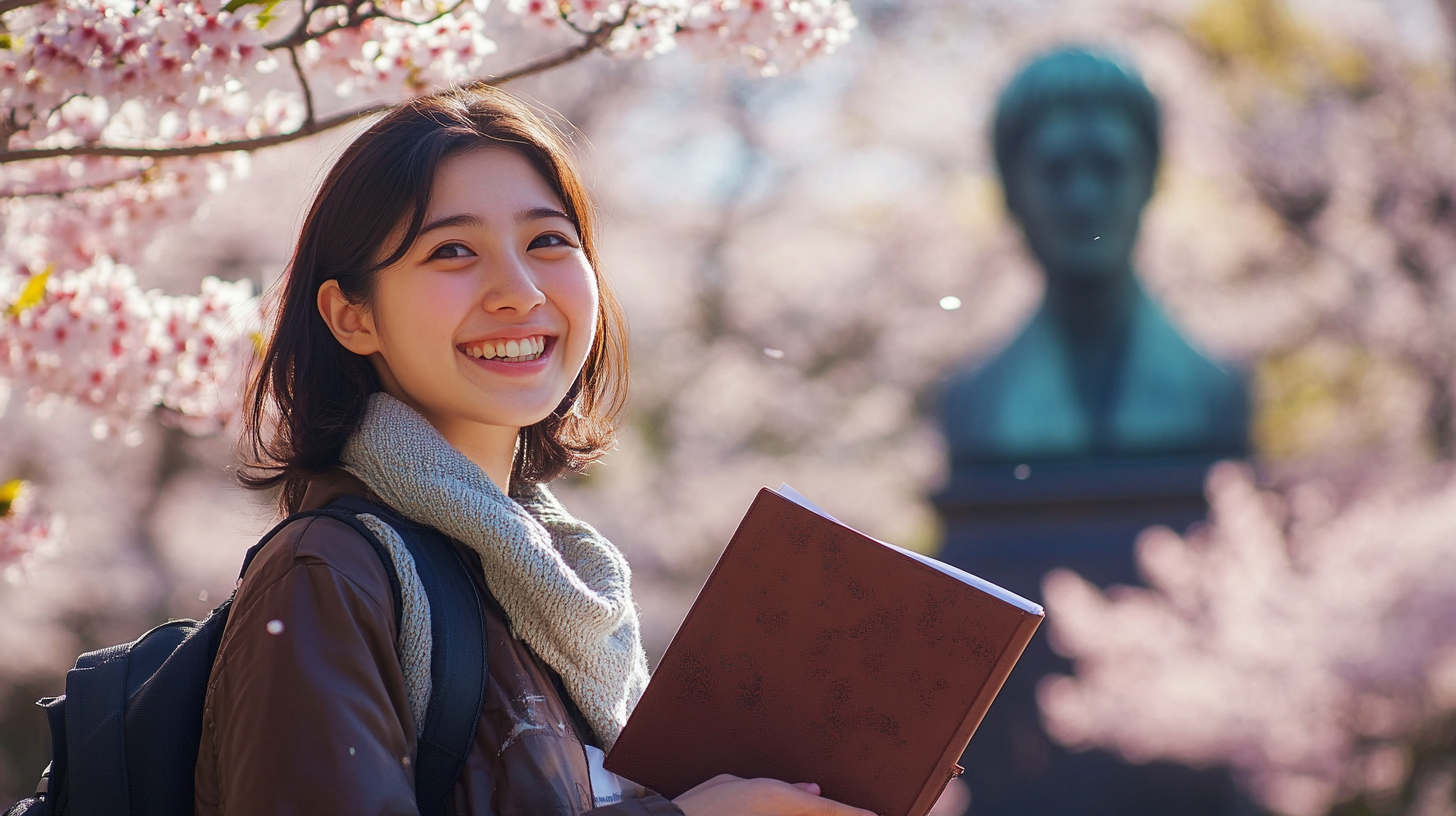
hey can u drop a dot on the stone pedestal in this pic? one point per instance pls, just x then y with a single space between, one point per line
1011 524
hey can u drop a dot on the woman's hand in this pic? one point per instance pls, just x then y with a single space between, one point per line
728 795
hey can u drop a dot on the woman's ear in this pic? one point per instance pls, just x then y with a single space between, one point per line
352 324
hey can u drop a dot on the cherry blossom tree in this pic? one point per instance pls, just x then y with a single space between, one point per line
118 118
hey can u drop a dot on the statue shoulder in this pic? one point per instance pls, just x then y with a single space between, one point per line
1172 391
1034 347
1161 350
979 401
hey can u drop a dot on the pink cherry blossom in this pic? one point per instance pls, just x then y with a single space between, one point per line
1308 648
114 210
95 338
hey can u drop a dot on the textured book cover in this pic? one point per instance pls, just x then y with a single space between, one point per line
817 654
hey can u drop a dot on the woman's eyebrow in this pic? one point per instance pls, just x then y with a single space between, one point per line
457 220
538 213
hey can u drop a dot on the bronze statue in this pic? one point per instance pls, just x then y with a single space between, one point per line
1098 372
1096 422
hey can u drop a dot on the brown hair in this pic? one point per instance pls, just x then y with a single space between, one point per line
308 393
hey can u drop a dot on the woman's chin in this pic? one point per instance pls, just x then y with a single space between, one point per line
517 417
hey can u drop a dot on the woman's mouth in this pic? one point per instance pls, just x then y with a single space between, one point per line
523 350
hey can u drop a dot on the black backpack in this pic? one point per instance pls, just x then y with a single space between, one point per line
125 735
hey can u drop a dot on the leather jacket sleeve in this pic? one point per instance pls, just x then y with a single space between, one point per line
306 707
307 711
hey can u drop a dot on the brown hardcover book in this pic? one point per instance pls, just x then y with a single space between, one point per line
817 654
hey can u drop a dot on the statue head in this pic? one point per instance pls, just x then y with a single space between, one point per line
1077 141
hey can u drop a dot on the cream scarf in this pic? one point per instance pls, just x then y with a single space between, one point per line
566 589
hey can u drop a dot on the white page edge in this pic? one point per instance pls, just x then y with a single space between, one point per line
955 572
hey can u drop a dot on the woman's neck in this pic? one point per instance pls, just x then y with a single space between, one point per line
491 447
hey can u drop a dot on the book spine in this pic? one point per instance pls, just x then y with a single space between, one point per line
947 769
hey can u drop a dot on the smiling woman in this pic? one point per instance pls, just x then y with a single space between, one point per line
413 220
484 323
445 346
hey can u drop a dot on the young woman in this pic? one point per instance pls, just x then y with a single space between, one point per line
445 346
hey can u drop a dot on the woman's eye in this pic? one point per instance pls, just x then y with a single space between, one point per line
551 240
451 251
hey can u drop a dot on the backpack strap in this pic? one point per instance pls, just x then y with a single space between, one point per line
458 666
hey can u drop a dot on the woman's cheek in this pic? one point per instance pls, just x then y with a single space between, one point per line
585 303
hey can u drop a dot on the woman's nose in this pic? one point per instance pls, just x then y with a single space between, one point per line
512 286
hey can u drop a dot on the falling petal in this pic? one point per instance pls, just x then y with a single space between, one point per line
773 353
950 303
275 627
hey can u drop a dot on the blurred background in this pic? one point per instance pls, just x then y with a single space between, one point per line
807 260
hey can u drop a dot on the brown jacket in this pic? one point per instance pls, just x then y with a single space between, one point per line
306 707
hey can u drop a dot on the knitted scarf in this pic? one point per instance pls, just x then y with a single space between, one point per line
566 589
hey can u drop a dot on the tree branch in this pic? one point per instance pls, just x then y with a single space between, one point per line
384 15
88 188
594 41
301 35
33 154
311 121
313 127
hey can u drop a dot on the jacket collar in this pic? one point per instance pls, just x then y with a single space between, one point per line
333 484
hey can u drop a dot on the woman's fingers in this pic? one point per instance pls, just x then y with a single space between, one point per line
731 796
819 806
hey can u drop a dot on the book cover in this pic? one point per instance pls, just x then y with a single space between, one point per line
815 653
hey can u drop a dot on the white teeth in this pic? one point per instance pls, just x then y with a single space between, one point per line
527 347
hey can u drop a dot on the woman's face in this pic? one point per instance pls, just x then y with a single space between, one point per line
489 316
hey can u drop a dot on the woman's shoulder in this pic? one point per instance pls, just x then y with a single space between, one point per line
318 541
316 580
323 543
319 544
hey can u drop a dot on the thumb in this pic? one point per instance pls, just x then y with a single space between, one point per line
808 787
